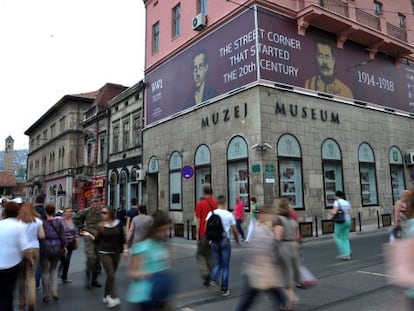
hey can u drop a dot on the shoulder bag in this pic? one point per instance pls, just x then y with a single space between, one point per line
339 217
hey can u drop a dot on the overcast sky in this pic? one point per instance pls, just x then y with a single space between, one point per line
50 48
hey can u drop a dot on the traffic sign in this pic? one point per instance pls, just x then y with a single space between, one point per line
187 172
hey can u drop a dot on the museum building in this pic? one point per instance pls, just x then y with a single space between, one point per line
289 107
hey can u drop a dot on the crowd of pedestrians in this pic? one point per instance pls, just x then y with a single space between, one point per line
34 240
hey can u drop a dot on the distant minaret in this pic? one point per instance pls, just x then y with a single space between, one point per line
8 154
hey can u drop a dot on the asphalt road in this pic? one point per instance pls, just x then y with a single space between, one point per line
359 284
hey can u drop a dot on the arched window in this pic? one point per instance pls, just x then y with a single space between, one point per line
367 175
60 195
134 184
123 182
238 171
153 166
202 162
175 181
289 156
113 181
397 173
332 170
152 182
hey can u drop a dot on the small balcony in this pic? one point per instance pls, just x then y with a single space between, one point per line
367 19
337 6
350 23
397 32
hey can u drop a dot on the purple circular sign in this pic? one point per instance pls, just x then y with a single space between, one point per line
187 172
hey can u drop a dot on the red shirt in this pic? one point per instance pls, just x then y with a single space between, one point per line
238 210
203 207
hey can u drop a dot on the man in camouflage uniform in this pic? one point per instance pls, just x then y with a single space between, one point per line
88 221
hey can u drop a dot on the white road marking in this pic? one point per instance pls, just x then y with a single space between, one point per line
187 309
374 273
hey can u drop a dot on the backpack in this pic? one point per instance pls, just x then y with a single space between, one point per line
214 227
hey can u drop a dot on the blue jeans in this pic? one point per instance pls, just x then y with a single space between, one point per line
221 255
38 275
239 227
64 264
342 239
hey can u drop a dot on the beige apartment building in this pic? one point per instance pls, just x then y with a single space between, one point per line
125 173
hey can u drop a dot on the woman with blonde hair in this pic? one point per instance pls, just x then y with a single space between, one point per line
34 231
285 231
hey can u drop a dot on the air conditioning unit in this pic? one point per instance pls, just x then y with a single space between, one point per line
409 158
140 175
199 21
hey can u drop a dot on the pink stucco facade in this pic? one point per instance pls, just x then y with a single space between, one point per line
348 11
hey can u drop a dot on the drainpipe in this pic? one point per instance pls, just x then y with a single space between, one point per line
108 130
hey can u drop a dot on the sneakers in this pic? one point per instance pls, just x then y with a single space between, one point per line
213 284
114 302
225 292
111 302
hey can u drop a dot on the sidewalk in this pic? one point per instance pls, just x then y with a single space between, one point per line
365 229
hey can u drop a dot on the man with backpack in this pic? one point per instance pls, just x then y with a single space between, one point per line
219 224
204 254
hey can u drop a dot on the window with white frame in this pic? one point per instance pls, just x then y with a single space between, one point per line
237 171
125 136
332 170
102 150
289 156
396 162
176 20
137 130
115 138
367 175
202 6
175 192
378 8
156 37
202 163
123 181
401 20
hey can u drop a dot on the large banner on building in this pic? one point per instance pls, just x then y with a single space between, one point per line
314 62
244 51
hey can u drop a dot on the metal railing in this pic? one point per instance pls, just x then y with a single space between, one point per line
337 6
368 19
397 32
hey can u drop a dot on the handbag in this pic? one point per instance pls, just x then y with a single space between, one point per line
339 217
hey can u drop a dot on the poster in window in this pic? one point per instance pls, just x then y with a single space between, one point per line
238 183
332 180
368 185
397 181
291 182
